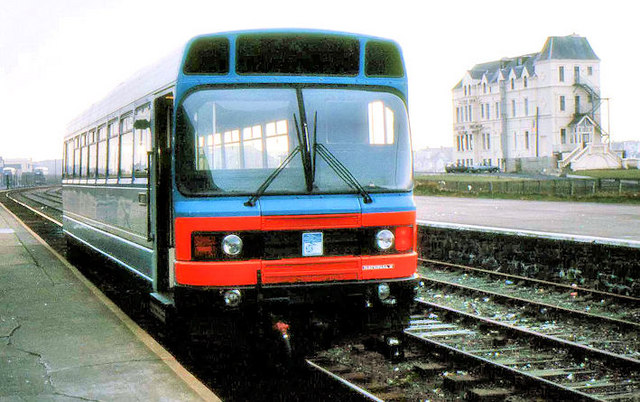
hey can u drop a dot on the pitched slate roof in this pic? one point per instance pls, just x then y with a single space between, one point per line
572 47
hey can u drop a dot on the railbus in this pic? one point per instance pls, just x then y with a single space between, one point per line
251 171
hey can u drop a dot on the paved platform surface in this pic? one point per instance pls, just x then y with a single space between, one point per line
613 221
59 341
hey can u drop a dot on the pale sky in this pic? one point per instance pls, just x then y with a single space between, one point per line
58 57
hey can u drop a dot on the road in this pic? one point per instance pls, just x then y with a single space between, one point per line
615 221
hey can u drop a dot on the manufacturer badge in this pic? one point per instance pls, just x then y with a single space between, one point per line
381 266
312 244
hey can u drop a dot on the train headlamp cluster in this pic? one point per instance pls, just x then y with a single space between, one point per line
208 246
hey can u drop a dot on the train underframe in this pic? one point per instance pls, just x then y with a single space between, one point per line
294 320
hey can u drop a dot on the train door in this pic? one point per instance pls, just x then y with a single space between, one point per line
161 195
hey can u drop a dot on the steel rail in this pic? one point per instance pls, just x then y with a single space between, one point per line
532 280
34 210
504 368
577 347
346 383
506 297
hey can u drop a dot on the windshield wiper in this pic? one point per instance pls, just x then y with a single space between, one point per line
342 171
334 163
263 187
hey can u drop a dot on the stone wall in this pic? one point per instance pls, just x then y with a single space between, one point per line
607 267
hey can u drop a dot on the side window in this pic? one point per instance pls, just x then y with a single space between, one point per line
84 156
113 140
142 142
68 153
126 145
102 151
93 154
76 156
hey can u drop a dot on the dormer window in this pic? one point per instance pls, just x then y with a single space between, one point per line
526 82
513 83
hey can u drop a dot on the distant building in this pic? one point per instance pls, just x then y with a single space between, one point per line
20 164
538 112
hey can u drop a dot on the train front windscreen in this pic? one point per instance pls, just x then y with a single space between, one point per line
229 141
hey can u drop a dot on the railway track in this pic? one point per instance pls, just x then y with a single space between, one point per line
44 201
578 343
480 334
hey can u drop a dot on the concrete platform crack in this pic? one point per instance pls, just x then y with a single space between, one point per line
41 361
35 261
106 364
11 332
76 397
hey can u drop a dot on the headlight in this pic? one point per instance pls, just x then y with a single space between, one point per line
232 298
384 291
384 239
232 245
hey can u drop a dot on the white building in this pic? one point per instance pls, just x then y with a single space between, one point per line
539 111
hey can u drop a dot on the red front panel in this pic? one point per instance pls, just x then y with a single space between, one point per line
295 270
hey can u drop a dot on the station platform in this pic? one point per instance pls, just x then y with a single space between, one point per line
62 339
613 223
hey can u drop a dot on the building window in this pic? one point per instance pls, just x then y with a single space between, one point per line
562 104
561 73
576 74
526 82
513 108
470 142
589 70
513 83
484 87
488 112
577 102
515 140
526 139
563 135
489 142
470 115
497 110
526 106
465 90
482 110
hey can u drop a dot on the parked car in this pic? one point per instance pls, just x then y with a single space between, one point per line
454 168
483 169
